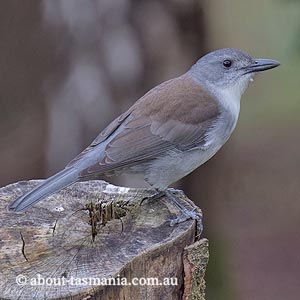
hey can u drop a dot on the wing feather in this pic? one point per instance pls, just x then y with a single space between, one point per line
176 116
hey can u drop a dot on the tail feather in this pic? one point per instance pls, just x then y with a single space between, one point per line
51 185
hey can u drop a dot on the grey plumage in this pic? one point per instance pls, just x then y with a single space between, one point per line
54 183
167 133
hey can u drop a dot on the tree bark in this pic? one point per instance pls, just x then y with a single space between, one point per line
70 245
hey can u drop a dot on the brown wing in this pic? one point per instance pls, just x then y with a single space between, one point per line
174 115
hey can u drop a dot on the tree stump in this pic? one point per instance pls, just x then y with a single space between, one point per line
94 240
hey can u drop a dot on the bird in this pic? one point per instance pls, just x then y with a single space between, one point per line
170 131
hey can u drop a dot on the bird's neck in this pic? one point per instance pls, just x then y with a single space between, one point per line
229 98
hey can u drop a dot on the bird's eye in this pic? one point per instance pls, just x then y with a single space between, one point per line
227 63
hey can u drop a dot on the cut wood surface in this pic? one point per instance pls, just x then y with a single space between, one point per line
72 244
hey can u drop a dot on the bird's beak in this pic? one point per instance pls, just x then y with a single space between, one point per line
261 64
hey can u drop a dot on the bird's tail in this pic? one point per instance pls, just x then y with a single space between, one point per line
51 185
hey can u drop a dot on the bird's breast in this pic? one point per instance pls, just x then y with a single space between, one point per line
177 164
221 130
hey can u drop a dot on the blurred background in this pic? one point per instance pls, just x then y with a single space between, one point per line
67 68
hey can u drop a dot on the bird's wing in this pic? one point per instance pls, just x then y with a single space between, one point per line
175 115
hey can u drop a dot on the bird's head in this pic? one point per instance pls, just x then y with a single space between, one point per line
229 69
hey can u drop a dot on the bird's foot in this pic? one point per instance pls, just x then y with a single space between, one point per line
173 191
158 194
186 214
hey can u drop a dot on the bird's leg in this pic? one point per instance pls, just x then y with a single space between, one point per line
158 194
186 214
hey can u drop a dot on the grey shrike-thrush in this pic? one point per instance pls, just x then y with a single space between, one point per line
170 131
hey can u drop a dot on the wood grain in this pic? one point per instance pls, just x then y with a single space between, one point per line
93 230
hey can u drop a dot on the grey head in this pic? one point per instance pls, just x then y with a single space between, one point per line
229 67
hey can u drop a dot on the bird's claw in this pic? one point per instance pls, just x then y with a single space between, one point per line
186 215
